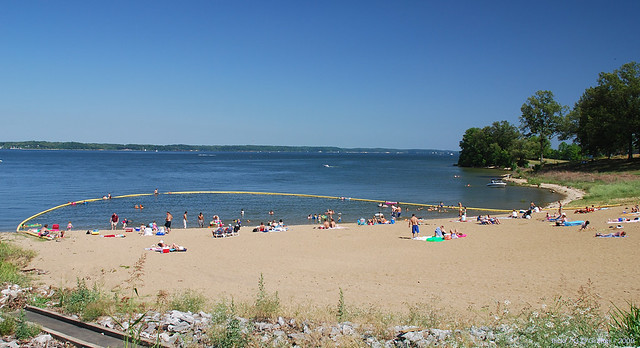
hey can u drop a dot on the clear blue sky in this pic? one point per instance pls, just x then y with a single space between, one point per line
401 74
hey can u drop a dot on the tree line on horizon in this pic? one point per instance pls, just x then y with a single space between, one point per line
71 145
604 122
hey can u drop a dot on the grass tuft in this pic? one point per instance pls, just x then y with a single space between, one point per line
267 305
624 328
188 301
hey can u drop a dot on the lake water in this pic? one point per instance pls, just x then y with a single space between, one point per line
35 180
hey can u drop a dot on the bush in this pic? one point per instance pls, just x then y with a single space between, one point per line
267 305
231 334
188 301
25 330
7 326
84 301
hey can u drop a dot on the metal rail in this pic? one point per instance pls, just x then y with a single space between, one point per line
82 334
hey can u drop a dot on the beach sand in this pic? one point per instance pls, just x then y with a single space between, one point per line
522 262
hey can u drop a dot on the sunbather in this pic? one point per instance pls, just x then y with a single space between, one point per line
617 234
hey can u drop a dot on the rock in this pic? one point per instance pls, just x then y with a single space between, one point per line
12 344
281 321
262 326
279 333
164 337
373 342
41 340
347 329
412 336
335 331
440 335
180 327
298 338
106 322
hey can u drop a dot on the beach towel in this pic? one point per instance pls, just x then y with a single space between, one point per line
573 223
435 239
621 220
610 235
166 250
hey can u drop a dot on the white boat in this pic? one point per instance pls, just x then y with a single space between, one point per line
497 183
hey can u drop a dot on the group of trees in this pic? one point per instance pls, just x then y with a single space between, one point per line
604 122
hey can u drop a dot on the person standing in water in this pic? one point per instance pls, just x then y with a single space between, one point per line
184 219
201 220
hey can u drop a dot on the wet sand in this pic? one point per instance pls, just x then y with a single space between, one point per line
524 262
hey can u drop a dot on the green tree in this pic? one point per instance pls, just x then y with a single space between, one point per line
541 116
489 146
606 119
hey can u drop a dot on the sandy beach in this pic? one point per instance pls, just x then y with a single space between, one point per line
523 262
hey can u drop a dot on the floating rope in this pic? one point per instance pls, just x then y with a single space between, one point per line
23 223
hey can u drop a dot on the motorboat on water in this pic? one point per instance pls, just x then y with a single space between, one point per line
497 183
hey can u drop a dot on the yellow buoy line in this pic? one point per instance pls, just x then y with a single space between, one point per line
23 223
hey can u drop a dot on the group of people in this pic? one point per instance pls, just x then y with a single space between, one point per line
396 211
488 220
379 218
271 226
323 217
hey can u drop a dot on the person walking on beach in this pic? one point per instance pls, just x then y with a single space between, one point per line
114 221
167 222
413 223
184 220
560 208
201 220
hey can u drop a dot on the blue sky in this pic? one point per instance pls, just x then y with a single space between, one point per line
401 74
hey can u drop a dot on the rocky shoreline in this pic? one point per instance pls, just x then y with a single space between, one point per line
186 329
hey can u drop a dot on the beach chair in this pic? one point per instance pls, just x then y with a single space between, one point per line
228 231
55 227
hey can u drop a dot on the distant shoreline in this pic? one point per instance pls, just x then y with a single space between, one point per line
46 145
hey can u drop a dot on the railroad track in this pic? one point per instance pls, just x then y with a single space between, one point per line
81 334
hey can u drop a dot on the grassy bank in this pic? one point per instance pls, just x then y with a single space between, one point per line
12 260
605 181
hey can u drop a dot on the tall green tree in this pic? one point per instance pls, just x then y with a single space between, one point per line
541 116
607 117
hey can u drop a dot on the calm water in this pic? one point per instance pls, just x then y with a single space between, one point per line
32 181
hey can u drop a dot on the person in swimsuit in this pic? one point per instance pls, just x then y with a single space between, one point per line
184 219
414 225
114 221
201 220
167 222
